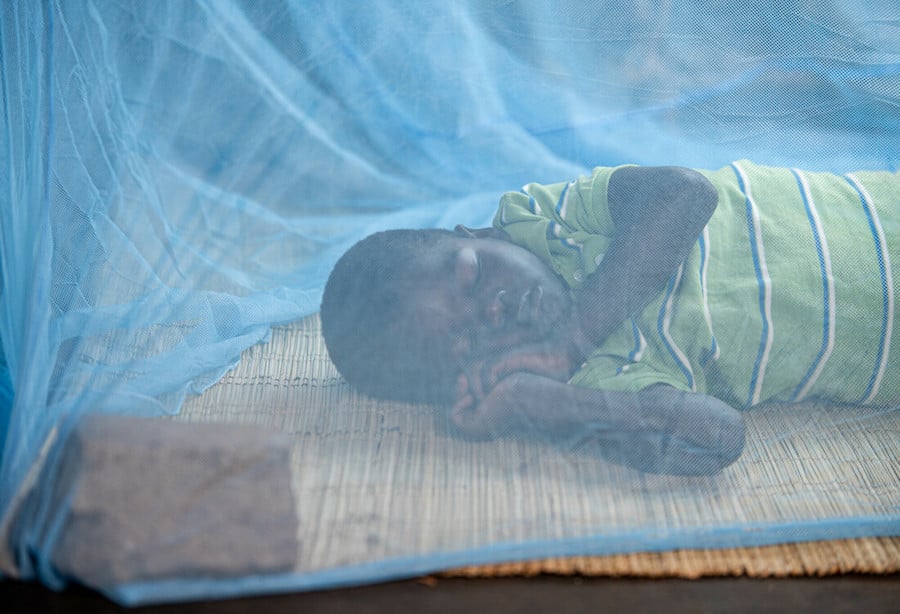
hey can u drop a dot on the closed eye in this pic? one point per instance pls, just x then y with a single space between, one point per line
468 268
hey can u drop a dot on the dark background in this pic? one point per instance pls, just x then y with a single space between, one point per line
860 594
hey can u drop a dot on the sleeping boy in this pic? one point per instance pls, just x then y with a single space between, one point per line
638 309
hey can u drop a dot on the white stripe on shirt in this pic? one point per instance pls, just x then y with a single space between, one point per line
704 292
667 321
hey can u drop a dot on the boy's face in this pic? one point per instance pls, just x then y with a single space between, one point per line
478 297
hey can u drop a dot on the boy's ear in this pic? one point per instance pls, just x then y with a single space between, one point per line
481 233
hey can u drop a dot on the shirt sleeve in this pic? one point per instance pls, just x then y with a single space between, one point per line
567 225
617 374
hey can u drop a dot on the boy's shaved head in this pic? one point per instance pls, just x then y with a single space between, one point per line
366 303
405 312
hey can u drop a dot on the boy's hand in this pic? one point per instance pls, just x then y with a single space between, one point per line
480 378
491 416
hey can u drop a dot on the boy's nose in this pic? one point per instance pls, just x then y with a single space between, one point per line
496 310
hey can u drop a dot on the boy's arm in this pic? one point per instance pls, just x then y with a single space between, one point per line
658 430
658 213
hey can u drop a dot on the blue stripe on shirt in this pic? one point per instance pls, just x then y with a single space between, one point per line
685 368
879 251
826 309
562 203
754 250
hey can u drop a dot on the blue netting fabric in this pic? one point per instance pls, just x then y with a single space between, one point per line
178 177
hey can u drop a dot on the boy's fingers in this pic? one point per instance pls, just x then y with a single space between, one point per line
462 385
465 417
472 422
534 363
468 384
474 378
463 404
499 371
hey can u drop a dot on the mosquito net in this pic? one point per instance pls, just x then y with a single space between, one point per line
658 311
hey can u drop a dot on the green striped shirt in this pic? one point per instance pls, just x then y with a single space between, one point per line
790 292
